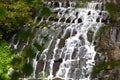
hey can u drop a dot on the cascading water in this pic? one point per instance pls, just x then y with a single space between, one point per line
70 54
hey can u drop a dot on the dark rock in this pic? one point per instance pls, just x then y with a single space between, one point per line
57 79
67 4
90 36
89 12
56 4
76 14
61 43
56 66
62 20
59 60
51 46
79 20
39 68
67 34
68 20
98 20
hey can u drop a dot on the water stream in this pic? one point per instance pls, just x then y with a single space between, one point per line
70 54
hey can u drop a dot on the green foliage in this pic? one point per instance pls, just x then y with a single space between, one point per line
27 69
4 76
114 13
39 47
15 75
29 52
14 14
24 33
44 12
1 35
3 12
5 59
17 62
112 8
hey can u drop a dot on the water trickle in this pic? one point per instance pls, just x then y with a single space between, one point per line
69 54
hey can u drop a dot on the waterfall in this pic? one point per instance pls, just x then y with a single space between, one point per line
70 53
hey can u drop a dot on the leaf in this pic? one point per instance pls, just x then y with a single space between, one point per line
3 12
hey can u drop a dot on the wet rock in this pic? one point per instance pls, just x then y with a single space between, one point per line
62 20
67 34
59 60
67 4
89 13
60 33
51 46
76 14
98 20
104 20
74 32
90 36
56 4
68 20
56 67
61 43
57 79
73 21
39 67
79 20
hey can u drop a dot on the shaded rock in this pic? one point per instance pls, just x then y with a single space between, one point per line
56 4
61 43
98 20
67 4
74 32
57 79
89 13
51 46
90 36
56 67
62 20
68 20
39 67
67 34
79 20
59 60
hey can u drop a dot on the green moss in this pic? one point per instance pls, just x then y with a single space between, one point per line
104 66
29 52
98 68
112 9
27 69
101 31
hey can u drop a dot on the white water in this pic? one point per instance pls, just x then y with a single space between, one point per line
78 52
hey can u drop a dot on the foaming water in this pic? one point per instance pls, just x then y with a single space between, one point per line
70 56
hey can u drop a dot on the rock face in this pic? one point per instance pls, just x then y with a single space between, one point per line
108 48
